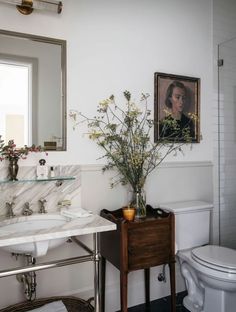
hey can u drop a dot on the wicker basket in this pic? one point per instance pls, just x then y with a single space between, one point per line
72 304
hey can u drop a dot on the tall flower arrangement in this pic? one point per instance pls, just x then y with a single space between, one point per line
125 136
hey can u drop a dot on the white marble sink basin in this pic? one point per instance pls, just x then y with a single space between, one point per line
38 233
30 225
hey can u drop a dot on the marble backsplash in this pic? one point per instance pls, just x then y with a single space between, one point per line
21 192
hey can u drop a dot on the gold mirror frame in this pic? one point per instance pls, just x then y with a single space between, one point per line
62 44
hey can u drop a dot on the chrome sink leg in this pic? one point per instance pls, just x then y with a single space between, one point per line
96 273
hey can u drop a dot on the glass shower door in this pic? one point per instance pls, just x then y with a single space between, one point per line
227 142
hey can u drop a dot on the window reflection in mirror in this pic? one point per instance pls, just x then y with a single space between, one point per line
16 107
32 90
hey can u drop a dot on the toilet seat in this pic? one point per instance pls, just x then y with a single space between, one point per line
216 257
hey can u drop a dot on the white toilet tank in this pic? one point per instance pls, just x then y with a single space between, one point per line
192 223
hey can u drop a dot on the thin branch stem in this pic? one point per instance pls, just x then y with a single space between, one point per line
124 135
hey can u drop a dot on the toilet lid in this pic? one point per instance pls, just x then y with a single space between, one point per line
216 257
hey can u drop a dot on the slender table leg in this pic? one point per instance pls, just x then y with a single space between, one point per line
172 286
123 290
147 286
97 307
103 282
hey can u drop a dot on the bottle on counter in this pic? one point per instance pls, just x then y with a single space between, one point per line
42 170
52 172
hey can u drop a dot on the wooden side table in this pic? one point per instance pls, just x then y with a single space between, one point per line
138 245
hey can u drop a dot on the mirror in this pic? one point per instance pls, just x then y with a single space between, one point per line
33 90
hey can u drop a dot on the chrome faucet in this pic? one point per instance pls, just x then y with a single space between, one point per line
9 206
42 208
27 211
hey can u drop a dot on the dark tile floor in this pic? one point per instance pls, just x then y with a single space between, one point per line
161 305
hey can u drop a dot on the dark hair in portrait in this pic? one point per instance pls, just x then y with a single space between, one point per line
169 91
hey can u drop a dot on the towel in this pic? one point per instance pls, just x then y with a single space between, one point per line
75 213
56 306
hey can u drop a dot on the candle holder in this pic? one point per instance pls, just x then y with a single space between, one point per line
128 213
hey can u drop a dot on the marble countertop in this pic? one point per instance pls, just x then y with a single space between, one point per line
72 227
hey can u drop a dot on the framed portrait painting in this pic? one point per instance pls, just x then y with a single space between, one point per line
176 102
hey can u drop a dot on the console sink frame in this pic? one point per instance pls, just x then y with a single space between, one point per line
92 255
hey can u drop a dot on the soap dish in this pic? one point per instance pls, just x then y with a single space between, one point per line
72 304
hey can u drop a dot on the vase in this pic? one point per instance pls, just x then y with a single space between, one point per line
140 204
138 200
13 168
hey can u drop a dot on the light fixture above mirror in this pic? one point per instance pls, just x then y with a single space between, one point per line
26 7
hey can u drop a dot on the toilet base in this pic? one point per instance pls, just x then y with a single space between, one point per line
216 302
219 301
194 300
190 305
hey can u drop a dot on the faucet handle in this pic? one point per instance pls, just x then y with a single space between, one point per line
9 206
42 202
10 203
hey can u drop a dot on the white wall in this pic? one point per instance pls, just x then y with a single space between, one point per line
113 46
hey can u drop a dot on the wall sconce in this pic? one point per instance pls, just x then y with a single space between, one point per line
26 7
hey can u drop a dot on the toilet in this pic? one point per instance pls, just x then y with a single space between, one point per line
209 271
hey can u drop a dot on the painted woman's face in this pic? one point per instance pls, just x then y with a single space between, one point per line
178 100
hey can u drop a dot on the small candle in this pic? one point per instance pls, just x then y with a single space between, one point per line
128 213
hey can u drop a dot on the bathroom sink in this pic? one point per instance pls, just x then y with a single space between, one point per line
30 225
